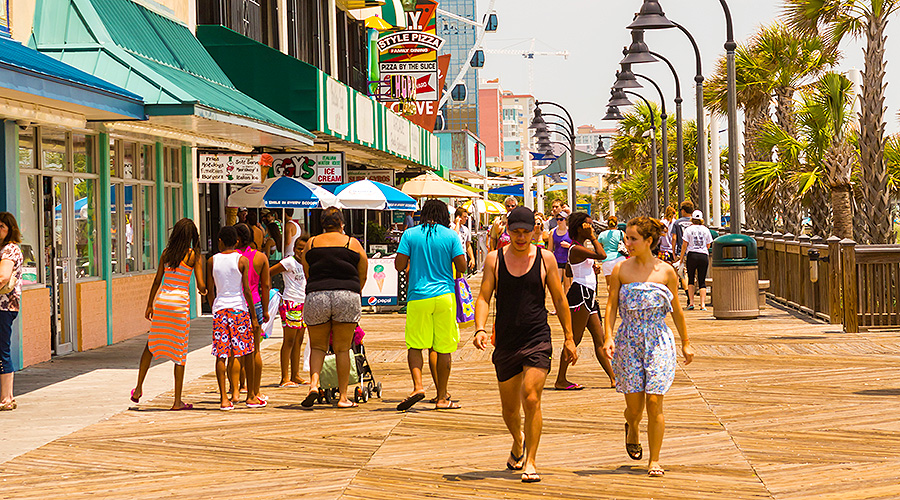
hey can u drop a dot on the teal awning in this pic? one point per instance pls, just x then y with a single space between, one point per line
159 59
582 160
26 73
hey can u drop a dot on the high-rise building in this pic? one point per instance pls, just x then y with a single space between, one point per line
490 119
587 137
517 112
459 37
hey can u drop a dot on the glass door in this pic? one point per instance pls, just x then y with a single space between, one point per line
58 217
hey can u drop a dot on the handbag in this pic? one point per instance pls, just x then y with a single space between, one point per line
9 286
622 249
465 304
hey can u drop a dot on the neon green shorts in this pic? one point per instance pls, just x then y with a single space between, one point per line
431 324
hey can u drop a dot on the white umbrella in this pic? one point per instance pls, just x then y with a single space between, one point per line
430 185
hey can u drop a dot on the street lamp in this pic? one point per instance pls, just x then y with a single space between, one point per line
639 52
651 16
655 192
600 151
613 114
665 148
568 132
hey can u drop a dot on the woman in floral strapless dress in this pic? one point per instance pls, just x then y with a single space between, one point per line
643 290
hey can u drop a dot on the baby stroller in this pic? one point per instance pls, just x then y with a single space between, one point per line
360 374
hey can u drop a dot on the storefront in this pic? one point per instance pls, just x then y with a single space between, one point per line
373 140
99 160
53 183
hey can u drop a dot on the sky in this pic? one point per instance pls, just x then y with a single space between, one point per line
594 33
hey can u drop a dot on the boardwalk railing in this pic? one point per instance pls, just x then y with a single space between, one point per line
857 286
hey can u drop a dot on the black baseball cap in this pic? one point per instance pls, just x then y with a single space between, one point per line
520 218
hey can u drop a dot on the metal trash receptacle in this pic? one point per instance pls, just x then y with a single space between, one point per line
735 271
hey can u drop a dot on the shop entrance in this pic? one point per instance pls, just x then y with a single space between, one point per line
58 257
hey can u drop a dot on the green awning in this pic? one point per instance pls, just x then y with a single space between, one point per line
329 108
582 160
159 59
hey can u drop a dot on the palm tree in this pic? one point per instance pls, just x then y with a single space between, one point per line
791 60
819 157
829 105
837 19
753 96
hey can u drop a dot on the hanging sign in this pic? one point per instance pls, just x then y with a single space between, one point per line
408 62
225 168
384 176
318 168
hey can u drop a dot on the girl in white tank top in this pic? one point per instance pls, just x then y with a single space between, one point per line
229 282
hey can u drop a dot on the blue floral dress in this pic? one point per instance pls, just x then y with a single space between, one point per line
644 359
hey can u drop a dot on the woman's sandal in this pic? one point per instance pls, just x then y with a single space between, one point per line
310 399
516 460
531 477
656 471
635 451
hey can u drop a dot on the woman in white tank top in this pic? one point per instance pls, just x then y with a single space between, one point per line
582 295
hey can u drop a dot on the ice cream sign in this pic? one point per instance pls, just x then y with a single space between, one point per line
318 168
382 283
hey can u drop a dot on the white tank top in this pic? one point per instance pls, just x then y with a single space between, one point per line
229 284
583 273
289 249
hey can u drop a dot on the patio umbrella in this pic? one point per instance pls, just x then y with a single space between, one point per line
366 194
486 207
282 192
378 23
430 185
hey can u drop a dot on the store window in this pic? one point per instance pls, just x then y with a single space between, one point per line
53 150
29 225
115 200
83 154
86 244
128 221
148 255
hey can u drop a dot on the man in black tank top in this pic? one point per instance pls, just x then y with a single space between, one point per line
519 273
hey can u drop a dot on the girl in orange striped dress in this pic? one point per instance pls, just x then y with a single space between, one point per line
169 312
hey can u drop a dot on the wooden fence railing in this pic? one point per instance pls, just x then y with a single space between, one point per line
858 286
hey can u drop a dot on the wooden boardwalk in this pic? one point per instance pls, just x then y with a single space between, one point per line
773 408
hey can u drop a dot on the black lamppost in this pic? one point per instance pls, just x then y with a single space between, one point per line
651 16
639 52
568 126
613 114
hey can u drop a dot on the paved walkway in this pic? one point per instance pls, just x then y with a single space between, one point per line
780 407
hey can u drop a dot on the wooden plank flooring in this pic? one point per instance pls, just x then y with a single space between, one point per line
778 407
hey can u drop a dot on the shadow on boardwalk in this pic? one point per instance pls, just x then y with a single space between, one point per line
778 407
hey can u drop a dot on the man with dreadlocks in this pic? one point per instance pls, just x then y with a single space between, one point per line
431 250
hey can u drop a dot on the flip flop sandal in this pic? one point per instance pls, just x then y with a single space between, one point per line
227 408
434 400
261 404
352 405
450 406
516 460
531 477
9 406
310 399
635 451
656 471
187 406
570 387
135 399
289 384
410 401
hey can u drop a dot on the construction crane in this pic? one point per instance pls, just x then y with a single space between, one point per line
529 58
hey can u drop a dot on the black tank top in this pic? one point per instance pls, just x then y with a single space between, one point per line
521 311
332 268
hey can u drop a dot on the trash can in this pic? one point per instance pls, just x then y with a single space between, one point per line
735 272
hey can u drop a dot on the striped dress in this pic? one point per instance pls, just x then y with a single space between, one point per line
171 315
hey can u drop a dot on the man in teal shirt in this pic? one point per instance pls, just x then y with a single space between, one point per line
431 250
